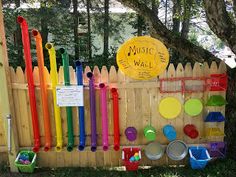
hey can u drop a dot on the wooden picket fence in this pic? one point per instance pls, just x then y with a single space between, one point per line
138 105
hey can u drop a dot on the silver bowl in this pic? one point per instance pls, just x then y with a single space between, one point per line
154 151
177 150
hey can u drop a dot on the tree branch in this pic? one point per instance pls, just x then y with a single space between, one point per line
220 23
169 38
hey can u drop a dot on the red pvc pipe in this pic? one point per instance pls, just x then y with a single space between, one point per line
115 98
43 89
30 80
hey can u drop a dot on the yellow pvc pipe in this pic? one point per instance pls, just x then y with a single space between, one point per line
54 78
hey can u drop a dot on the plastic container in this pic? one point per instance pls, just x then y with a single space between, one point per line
214 131
150 133
216 100
193 107
169 132
199 157
215 117
191 131
131 133
218 82
217 149
177 150
127 153
154 151
29 168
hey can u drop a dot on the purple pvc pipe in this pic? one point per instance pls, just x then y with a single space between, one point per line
92 112
103 100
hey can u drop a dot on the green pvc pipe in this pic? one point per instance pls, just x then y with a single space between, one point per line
65 61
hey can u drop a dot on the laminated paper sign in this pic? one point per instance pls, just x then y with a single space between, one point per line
142 58
70 96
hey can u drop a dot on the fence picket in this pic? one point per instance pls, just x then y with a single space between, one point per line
38 104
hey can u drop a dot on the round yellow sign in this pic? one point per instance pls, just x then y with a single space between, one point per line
142 58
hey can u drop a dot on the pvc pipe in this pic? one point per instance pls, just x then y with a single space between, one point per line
54 78
92 112
115 98
65 61
43 89
82 137
30 80
103 100
9 133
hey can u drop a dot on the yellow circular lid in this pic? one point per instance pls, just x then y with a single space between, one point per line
170 107
142 58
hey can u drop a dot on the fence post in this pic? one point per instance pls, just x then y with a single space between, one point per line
6 104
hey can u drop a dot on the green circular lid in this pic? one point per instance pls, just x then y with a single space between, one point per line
193 107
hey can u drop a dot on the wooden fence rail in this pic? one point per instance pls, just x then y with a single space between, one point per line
138 101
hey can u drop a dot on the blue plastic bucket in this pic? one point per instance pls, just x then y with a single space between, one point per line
169 132
199 157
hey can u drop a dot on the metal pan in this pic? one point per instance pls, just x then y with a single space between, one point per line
177 150
154 151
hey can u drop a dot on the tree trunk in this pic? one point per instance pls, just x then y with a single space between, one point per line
234 7
187 17
75 27
159 31
139 26
185 28
230 112
176 15
155 6
106 31
18 40
176 25
44 27
89 30
166 4
220 22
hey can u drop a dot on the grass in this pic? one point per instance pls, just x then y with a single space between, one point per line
220 168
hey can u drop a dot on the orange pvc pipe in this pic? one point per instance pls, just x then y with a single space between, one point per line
43 89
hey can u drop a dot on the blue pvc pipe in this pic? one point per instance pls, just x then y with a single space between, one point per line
82 138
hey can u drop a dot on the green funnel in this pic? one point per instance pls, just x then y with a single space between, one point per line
216 100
